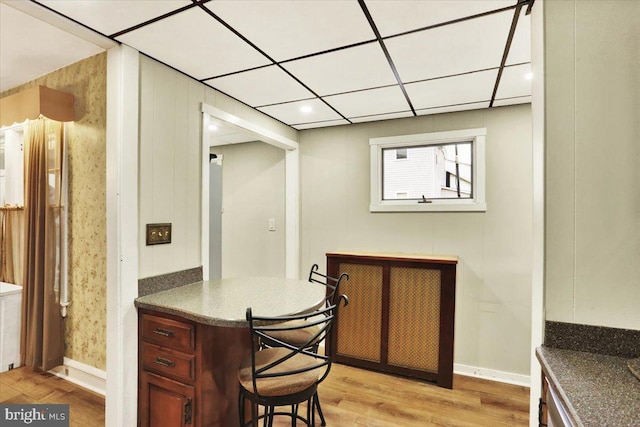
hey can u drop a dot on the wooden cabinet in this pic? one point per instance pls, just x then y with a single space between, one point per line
401 314
188 371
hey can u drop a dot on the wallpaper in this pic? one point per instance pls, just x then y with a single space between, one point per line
86 322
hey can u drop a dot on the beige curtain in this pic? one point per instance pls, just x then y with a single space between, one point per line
11 245
42 337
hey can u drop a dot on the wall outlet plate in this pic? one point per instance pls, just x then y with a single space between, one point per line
158 234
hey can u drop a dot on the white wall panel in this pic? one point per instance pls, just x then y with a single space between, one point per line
494 273
192 184
593 158
560 161
145 172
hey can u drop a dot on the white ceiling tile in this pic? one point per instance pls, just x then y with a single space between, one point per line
268 85
289 29
452 108
520 50
109 17
360 67
512 101
467 46
195 43
515 81
223 133
31 48
290 112
316 125
368 102
381 117
393 17
467 88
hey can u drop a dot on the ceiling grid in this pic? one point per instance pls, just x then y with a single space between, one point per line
323 63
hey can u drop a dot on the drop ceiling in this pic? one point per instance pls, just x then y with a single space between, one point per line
306 63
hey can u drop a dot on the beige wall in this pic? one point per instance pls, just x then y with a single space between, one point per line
170 177
85 325
253 191
494 274
592 77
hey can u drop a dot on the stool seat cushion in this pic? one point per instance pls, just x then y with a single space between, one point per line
279 386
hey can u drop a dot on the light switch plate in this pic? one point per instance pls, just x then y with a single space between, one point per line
158 234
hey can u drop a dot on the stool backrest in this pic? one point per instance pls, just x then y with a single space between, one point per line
306 359
331 283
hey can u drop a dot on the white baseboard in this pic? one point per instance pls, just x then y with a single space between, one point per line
492 374
83 375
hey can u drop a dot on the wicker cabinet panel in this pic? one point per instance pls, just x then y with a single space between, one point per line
414 318
364 289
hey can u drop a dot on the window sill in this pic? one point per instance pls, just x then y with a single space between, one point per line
430 207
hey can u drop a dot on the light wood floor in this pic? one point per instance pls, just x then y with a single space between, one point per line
350 397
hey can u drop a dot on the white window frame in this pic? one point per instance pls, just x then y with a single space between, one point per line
475 204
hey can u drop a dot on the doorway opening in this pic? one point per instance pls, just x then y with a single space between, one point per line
266 163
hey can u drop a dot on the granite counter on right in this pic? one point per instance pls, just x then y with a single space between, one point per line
586 378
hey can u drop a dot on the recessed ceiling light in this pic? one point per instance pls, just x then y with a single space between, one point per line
306 109
529 76
213 127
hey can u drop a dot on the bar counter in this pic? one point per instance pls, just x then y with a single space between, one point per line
192 339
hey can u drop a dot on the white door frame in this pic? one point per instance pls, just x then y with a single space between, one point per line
292 185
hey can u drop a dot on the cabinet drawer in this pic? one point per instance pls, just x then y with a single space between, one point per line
167 362
168 333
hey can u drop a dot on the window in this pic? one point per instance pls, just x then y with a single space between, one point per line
441 171
12 166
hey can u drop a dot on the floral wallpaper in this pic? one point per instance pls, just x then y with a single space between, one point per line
86 322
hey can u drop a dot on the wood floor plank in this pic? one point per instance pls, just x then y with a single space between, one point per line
356 397
351 397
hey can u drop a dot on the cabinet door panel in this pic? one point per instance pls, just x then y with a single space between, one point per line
360 326
414 318
165 403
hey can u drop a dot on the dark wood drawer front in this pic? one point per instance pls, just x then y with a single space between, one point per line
167 362
168 333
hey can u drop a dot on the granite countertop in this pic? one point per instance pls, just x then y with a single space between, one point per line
224 302
597 390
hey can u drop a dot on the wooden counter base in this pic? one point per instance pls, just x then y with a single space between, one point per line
204 393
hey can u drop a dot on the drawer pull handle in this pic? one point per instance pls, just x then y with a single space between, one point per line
165 362
163 332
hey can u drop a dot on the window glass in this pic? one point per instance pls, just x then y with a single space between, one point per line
429 172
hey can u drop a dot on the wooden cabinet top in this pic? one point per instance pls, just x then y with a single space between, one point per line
441 259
